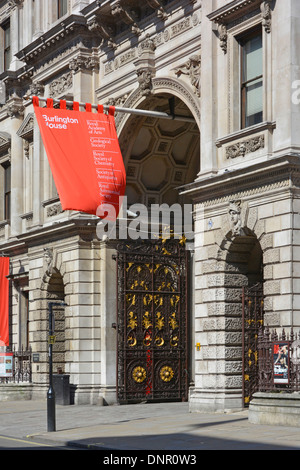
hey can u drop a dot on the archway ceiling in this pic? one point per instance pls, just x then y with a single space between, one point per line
165 155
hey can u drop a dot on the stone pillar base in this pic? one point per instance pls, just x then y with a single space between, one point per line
108 395
275 408
201 401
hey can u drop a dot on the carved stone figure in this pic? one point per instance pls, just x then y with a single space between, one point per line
235 217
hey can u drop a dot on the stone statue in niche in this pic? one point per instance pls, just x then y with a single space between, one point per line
235 218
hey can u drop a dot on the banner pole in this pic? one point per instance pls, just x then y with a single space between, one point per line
140 112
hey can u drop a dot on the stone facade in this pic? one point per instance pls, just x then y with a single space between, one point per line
117 53
243 180
246 194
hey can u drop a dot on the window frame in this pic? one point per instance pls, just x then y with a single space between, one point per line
6 190
242 40
5 26
62 8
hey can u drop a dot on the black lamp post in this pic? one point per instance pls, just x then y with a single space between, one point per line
51 425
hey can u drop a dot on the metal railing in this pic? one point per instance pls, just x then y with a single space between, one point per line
22 370
278 361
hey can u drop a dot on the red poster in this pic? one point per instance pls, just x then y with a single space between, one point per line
84 156
4 301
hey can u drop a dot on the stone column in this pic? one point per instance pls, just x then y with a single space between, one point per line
108 310
208 127
15 110
15 27
36 175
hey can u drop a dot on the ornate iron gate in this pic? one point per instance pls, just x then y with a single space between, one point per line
252 321
152 321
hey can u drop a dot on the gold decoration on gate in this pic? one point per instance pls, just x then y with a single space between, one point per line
147 320
159 341
173 322
166 373
160 321
139 374
132 321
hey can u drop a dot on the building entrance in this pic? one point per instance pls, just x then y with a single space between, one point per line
152 321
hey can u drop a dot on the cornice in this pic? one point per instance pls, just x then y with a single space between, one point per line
45 43
280 171
225 16
233 10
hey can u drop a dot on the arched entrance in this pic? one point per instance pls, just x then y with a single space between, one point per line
160 155
243 281
153 274
56 293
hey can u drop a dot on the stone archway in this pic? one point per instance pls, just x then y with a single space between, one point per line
55 293
240 258
160 155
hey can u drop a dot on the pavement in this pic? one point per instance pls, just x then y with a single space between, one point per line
164 427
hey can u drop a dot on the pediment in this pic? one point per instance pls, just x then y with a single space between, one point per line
26 129
5 141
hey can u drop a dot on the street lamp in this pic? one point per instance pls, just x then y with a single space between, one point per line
51 393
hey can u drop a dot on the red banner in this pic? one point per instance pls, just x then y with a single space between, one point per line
4 301
84 156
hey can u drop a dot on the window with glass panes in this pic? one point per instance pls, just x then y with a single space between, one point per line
62 7
251 79
6 43
7 190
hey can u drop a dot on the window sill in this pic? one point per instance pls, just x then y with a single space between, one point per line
248 131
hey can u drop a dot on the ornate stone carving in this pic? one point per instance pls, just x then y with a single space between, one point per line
158 6
145 81
266 15
48 256
61 84
37 89
128 15
84 63
235 217
103 28
147 45
247 146
15 109
192 69
223 35
56 209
